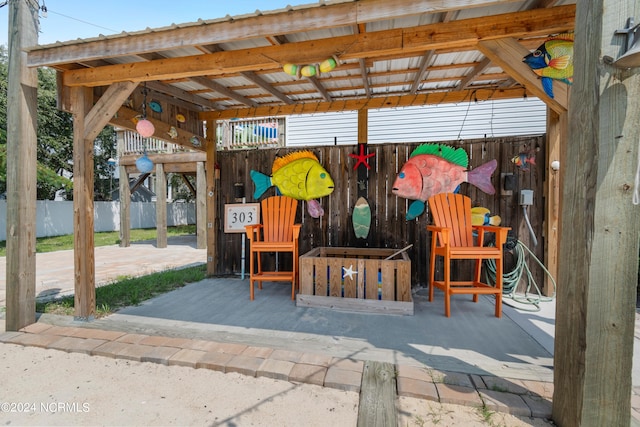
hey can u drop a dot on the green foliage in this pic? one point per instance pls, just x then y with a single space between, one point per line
61 243
129 291
55 141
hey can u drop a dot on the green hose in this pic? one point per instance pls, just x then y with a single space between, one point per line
511 279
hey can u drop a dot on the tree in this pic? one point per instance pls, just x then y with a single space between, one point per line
55 141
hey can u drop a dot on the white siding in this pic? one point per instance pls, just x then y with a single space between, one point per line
417 124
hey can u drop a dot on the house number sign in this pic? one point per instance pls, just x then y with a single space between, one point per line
236 216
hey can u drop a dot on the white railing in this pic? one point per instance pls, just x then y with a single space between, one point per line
135 144
251 133
264 132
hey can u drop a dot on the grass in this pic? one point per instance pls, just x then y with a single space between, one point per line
128 291
125 291
60 243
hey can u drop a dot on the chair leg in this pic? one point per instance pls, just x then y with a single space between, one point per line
432 273
447 287
259 265
251 276
476 276
294 279
499 287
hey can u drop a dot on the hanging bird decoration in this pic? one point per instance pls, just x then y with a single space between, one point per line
298 175
553 60
436 168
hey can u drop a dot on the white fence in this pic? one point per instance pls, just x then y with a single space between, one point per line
56 218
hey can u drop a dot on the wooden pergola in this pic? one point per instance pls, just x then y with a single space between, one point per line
390 54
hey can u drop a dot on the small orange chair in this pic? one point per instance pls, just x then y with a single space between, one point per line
452 238
277 233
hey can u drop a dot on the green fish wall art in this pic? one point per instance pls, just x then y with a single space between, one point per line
553 60
298 175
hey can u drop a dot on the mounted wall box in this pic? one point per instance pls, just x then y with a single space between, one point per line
526 197
508 184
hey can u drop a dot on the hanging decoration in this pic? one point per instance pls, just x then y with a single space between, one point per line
311 70
146 129
437 168
553 60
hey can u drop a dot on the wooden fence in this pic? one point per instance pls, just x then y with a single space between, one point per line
389 228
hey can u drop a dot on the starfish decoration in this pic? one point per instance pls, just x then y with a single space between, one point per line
362 157
348 272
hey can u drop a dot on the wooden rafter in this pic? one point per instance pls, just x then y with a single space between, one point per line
433 98
208 83
477 70
250 75
296 20
456 34
424 63
508 54
325 94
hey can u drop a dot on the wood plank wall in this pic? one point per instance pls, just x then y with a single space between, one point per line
389 228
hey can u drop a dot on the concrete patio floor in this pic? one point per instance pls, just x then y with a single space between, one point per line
472 347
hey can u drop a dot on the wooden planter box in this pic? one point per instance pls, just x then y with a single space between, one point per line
376 285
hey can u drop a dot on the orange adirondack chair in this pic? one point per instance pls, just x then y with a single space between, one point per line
452 238
277 233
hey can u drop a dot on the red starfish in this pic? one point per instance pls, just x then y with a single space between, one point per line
362 157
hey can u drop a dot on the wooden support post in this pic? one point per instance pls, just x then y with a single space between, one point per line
600 226
201 206
211 198
125 208
161 206
556 135
21 167
125 197
83 184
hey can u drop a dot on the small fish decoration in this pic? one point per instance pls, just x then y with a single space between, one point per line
553 60
523 160
298 175
173 133
482 216
436 168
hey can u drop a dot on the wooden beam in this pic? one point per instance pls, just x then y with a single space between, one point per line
365 77
21 164
250 75
184 157
83 184
323 92
292 21
600 225
455 34
212 257
183 95
123 119
434 98
106 108
161 206
424 63
201 206
208 83
478 69
508 54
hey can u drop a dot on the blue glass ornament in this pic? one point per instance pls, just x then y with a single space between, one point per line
144 164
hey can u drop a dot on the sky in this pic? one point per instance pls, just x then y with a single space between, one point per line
72 19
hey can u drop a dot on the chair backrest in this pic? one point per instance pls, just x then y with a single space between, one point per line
453 211
278 217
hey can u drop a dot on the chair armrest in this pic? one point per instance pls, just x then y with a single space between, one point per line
253 232
296 231
500 232
443 233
